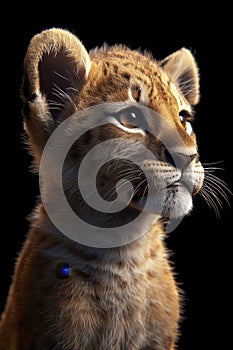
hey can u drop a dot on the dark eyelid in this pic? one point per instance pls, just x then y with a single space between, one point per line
186 115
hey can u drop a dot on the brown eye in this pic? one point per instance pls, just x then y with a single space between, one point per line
128 119
132 118
185 117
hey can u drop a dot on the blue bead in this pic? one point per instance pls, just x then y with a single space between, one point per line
66 270
63 270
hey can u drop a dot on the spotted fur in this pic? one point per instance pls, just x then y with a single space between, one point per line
116 298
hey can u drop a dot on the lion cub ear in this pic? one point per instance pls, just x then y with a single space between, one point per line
56 67
182 69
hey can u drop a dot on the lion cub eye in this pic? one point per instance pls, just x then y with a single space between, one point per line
131 118
185 116
128 119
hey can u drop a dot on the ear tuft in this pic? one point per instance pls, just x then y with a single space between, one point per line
182 69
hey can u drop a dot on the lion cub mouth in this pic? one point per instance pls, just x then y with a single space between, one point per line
171 201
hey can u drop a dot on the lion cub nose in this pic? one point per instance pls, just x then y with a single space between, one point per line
179 160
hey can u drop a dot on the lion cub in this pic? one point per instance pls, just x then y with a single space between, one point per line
91 278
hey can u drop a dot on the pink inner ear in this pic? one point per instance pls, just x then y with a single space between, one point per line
59 77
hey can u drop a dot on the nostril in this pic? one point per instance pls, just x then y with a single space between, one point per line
193 156
179 160
183 160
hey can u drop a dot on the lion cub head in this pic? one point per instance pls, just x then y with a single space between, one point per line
140 111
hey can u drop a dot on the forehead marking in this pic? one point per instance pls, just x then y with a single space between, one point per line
143 91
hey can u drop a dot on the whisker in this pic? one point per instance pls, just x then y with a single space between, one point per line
120 187
218 181
212 163
219 186
139 185
215 191
144 192
212 169
113 190
135 189
210 201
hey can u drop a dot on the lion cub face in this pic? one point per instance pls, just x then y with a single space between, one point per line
138 109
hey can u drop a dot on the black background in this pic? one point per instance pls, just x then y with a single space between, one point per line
201 244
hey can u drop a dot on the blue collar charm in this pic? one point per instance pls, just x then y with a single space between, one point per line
63 270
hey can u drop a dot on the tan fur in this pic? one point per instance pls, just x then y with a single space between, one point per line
117 298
